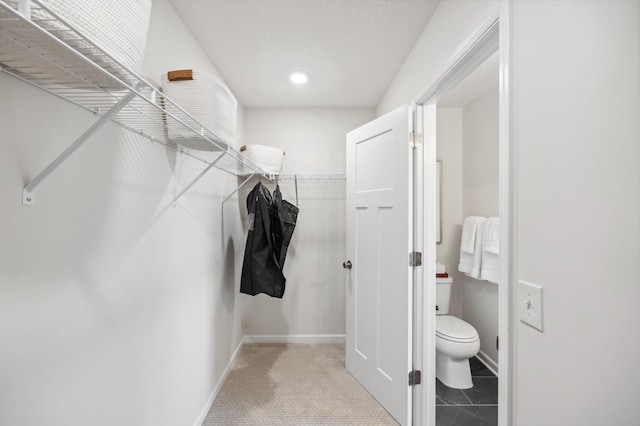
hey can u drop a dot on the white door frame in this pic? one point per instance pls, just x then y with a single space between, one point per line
493 33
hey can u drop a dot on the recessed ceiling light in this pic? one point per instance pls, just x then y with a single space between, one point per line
298 77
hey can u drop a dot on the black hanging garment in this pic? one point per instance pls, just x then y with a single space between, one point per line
271 225
261 272
284 216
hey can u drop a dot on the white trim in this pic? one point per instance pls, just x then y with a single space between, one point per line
488 362
478 47
419 285
507 215
221 380
296 338
427 414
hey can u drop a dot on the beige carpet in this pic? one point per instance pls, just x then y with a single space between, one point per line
294 384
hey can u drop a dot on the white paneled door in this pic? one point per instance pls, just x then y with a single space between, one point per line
379 278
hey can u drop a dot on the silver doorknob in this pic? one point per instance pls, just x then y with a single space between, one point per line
347 264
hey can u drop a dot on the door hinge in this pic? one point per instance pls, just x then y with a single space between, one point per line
415 377
415 139
415 258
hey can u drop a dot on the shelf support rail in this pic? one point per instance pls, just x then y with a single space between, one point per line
238 188
204 172
28 194
24 8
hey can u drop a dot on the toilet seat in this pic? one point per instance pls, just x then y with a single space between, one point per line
454 329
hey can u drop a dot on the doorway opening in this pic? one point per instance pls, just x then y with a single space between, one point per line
467 156
486 47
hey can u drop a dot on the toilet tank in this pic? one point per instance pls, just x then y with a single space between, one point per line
443 295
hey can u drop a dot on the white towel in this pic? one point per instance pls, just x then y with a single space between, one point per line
469 228
490 270
471 263
491 238
490 267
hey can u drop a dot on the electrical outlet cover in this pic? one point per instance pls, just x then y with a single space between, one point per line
530 306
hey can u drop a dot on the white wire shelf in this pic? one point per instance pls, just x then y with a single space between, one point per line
40 48
310 176
298 186
320 185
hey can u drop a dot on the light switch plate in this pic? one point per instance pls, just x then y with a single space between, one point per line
530 297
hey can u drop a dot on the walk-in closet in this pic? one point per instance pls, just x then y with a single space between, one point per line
242 212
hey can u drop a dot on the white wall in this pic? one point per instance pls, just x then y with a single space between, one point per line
448 28
577 92
468 147
449 151
115 308
480 159
576 109
480 198
314 142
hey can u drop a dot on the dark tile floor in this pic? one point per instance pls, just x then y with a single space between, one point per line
477 406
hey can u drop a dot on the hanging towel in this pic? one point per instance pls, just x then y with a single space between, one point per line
471 263
469 227
490 251
491 239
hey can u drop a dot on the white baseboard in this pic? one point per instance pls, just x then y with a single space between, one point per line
488 362
296 338
216 390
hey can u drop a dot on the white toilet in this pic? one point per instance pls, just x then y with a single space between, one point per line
456 341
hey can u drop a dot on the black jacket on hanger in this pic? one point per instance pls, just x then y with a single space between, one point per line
261 270
283 218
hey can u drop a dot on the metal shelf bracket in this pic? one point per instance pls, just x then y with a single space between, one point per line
193 182
28 193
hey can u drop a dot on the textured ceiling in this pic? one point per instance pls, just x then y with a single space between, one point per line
351 49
